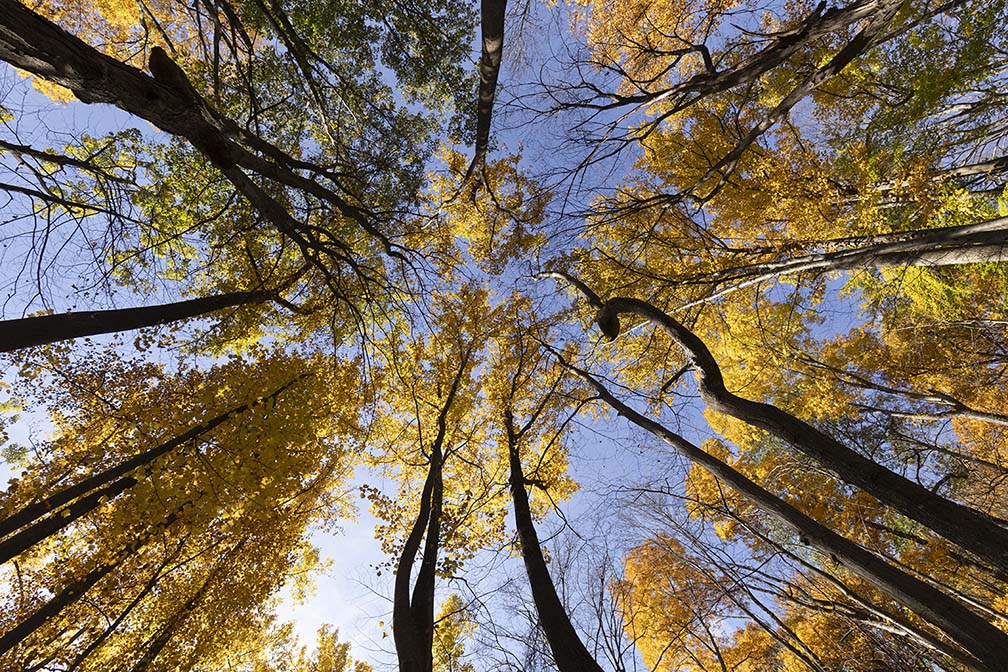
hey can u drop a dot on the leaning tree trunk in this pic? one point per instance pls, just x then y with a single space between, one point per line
985 643
569 652
960 524
983 242
76 588
29 536
29 331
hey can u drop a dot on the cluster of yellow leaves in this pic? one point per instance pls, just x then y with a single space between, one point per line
477 342
453 625
663 599
489 222
281 652
651 42
683 615
213 528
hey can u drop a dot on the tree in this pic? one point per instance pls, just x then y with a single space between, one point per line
225 487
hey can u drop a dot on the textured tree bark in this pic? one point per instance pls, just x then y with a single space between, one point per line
422 602
407 633
168 101
569 651
960 524
30 331
969 244
984 642
492 25
413 618
30 42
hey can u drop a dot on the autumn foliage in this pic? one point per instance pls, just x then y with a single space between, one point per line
726 280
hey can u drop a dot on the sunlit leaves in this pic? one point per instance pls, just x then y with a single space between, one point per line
222 520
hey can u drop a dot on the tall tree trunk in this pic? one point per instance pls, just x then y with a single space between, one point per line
406 632
569 651
960 524
422 603
29 331
969 244
95 489
492 27
984 642
413 617
29 536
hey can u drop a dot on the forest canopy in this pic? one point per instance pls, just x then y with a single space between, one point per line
651 334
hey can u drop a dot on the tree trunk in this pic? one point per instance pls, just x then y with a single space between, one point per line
970 244
422 604
979 638
32 535
569 651
29 331
406 631
492 26
961 525
413 617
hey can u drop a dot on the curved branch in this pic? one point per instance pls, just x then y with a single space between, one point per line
966 527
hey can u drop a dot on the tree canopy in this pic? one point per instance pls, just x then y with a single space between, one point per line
652 335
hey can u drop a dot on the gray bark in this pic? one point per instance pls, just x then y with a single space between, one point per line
492 26
983 242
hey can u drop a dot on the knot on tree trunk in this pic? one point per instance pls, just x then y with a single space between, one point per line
607 319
